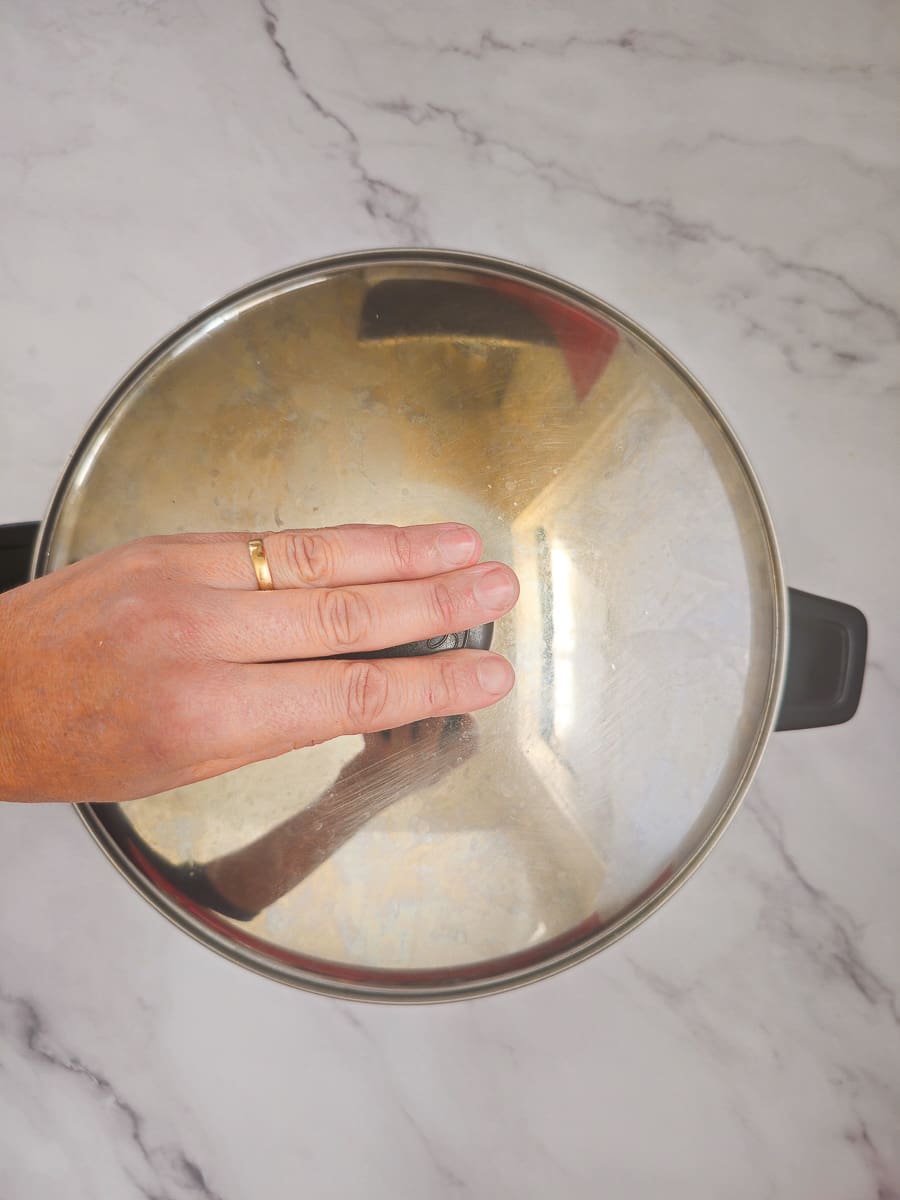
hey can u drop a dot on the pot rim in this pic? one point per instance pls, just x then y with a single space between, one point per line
514 977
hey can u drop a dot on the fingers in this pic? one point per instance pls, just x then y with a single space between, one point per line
324 622
346 554
277 707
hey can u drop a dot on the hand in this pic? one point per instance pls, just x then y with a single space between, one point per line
159 663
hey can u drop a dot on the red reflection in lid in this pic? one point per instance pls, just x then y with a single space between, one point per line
587 341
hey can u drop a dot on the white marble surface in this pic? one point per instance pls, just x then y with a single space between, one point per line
729 175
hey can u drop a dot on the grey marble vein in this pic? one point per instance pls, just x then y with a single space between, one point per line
842 952
660 44
681 227
443 1171
26 1028
859 1137
852 158
388 205
709 1036
682 999
884 674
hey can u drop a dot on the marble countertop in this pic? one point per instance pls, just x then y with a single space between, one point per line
728 176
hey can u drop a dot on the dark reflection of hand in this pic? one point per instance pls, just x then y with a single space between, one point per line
390 765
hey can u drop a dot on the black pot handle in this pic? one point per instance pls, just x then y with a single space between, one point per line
826 662
477 638
16 547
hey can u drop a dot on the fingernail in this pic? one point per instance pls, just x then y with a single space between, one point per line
495 675
495 589
456 546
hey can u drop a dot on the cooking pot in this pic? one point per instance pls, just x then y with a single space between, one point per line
459 857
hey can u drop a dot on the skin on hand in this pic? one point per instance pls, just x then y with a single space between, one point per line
159 663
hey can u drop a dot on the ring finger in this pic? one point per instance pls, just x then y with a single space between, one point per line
344 554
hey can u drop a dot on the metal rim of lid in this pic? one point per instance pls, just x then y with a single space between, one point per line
306 273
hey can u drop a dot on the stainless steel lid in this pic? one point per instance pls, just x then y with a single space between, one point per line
459 857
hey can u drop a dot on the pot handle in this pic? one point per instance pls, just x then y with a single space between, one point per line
826 662
477 638
16 547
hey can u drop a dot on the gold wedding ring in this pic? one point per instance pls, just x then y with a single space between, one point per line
260 564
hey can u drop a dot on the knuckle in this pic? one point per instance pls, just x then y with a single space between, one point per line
143 557
342 618
400 548
160 619
127 613
362 694
177 628
309 555
177 712
132 613
443 606
443 686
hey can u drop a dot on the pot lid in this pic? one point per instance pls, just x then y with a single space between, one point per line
457 856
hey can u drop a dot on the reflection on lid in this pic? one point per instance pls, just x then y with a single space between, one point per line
498 311
243 883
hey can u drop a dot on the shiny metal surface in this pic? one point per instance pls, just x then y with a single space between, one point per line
456 857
